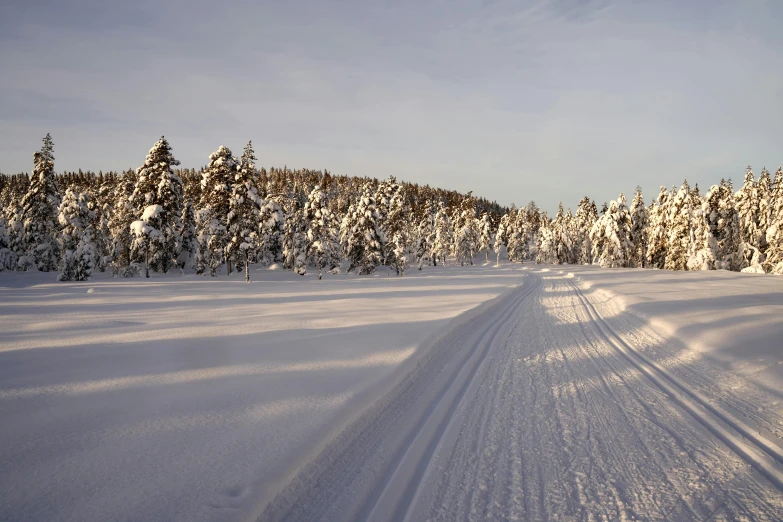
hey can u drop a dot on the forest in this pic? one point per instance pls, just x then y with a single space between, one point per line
231 214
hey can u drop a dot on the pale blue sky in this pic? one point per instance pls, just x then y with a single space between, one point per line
547 100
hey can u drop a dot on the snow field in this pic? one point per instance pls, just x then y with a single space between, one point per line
192 398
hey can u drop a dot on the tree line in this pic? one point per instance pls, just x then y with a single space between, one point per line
230 214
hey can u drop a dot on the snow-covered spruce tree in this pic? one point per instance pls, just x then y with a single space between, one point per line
485 235
7 256
774 261
612 247
271 229
639 228
360 237
323 247
561 237
39 211
466 231
586 216
727 232
383 197
158 184
702 248
295 244
678 229
425 236
444 236
121 215
396 231
749 254
657 235
212 218
146 238
75 219
243 215
501 237
764 190
546 243
518 234
188 241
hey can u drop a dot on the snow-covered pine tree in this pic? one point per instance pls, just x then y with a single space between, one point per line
243 216
384 194
749 253
271 228
121 215
518 235
639 228
485 235
323 247
546 243
360 236
396 231
188 241
501 237
678 229
295 244
212 218
444 235
765 197
612 247
774 261
39 212
7 256
657 235
146 239
158 184
561 237
425 235
466 231
702 248
586 216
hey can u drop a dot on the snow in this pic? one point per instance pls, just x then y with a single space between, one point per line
151 212
486 392
192 398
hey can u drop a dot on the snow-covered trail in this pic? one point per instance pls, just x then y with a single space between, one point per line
539 408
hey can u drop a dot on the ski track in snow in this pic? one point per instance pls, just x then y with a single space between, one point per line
541 408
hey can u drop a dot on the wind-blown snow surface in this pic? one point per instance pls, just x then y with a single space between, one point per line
191 398
576 393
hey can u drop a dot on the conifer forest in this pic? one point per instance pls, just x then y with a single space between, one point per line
231 214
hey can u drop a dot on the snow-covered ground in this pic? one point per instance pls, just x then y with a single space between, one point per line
565 392
191 398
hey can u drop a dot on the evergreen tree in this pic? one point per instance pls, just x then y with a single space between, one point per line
396 231
271 232
678 229
7 256
360 235
122 214
612 247
501 237
157 184
188 241
39 211
586 216
295 244
657 237
702 251
747 204
466 232
444 235
518 235
485 235
425 236
212 219
639 228
243 215
774 261
323 248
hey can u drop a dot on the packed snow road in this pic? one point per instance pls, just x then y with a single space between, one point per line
540 408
